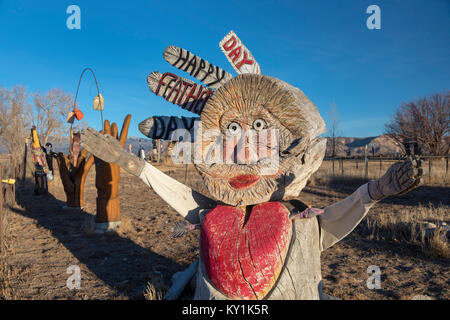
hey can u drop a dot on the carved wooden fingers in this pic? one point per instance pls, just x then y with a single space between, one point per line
103 146
400 178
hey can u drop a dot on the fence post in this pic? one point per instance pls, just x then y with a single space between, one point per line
381 165
366 164
158 146
1 209
24 173
446 165
429 169
342 166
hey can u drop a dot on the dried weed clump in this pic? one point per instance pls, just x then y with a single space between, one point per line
425 226
155 289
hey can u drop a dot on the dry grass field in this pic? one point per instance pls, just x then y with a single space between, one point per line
138 261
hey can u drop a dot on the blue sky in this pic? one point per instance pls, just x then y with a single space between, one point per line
322 47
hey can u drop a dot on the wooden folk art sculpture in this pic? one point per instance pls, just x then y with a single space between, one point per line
73 170
257 240
40 164
107 176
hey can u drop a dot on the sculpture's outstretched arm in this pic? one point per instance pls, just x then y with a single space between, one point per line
184 200
339 219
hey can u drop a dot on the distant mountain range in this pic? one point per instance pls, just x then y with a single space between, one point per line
345 146
379 145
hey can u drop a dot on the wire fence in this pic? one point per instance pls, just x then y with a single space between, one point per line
435 168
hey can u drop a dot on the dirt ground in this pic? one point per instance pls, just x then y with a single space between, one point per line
43 241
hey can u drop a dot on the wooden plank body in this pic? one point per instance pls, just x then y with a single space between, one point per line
238 55
243 253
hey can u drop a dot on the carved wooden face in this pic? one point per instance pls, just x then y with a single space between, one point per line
258 141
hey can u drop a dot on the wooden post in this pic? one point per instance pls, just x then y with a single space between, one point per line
342 166
24 173
332 159
446 165
13 189
381 165
1 209
366 164
429 169
158 152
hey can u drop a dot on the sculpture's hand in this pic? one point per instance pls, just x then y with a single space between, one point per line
109 149
400 178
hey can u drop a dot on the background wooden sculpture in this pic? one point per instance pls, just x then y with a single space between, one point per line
40 164
107 181
73 170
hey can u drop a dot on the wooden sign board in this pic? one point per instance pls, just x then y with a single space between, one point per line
238 55
179 91
212 76
163 127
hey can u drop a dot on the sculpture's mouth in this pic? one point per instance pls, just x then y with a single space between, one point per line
243 181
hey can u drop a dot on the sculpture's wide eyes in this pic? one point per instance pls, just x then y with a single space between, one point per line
234 128
259 124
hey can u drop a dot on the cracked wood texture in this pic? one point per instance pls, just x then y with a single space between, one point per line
244 249
300 277
238 55
282 107
177 90
212 76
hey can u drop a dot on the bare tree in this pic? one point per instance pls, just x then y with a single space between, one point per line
49 114
425 122
13 124
333 131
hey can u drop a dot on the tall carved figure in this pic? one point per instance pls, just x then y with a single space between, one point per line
40 164
257 144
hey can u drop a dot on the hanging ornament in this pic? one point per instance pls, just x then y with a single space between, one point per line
70 117
99 102
78 114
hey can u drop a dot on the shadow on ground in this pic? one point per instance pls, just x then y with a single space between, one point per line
119 262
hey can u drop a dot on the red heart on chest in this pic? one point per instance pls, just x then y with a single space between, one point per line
244 253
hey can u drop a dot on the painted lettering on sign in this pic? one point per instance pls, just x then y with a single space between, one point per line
211 75
163 127
179 91
238 55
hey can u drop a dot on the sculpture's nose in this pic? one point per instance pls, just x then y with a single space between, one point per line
245 151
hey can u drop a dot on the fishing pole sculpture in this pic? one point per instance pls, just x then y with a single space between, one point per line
256 144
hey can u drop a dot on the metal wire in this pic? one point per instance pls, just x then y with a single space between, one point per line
98 93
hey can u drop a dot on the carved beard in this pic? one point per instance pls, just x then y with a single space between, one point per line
291 177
